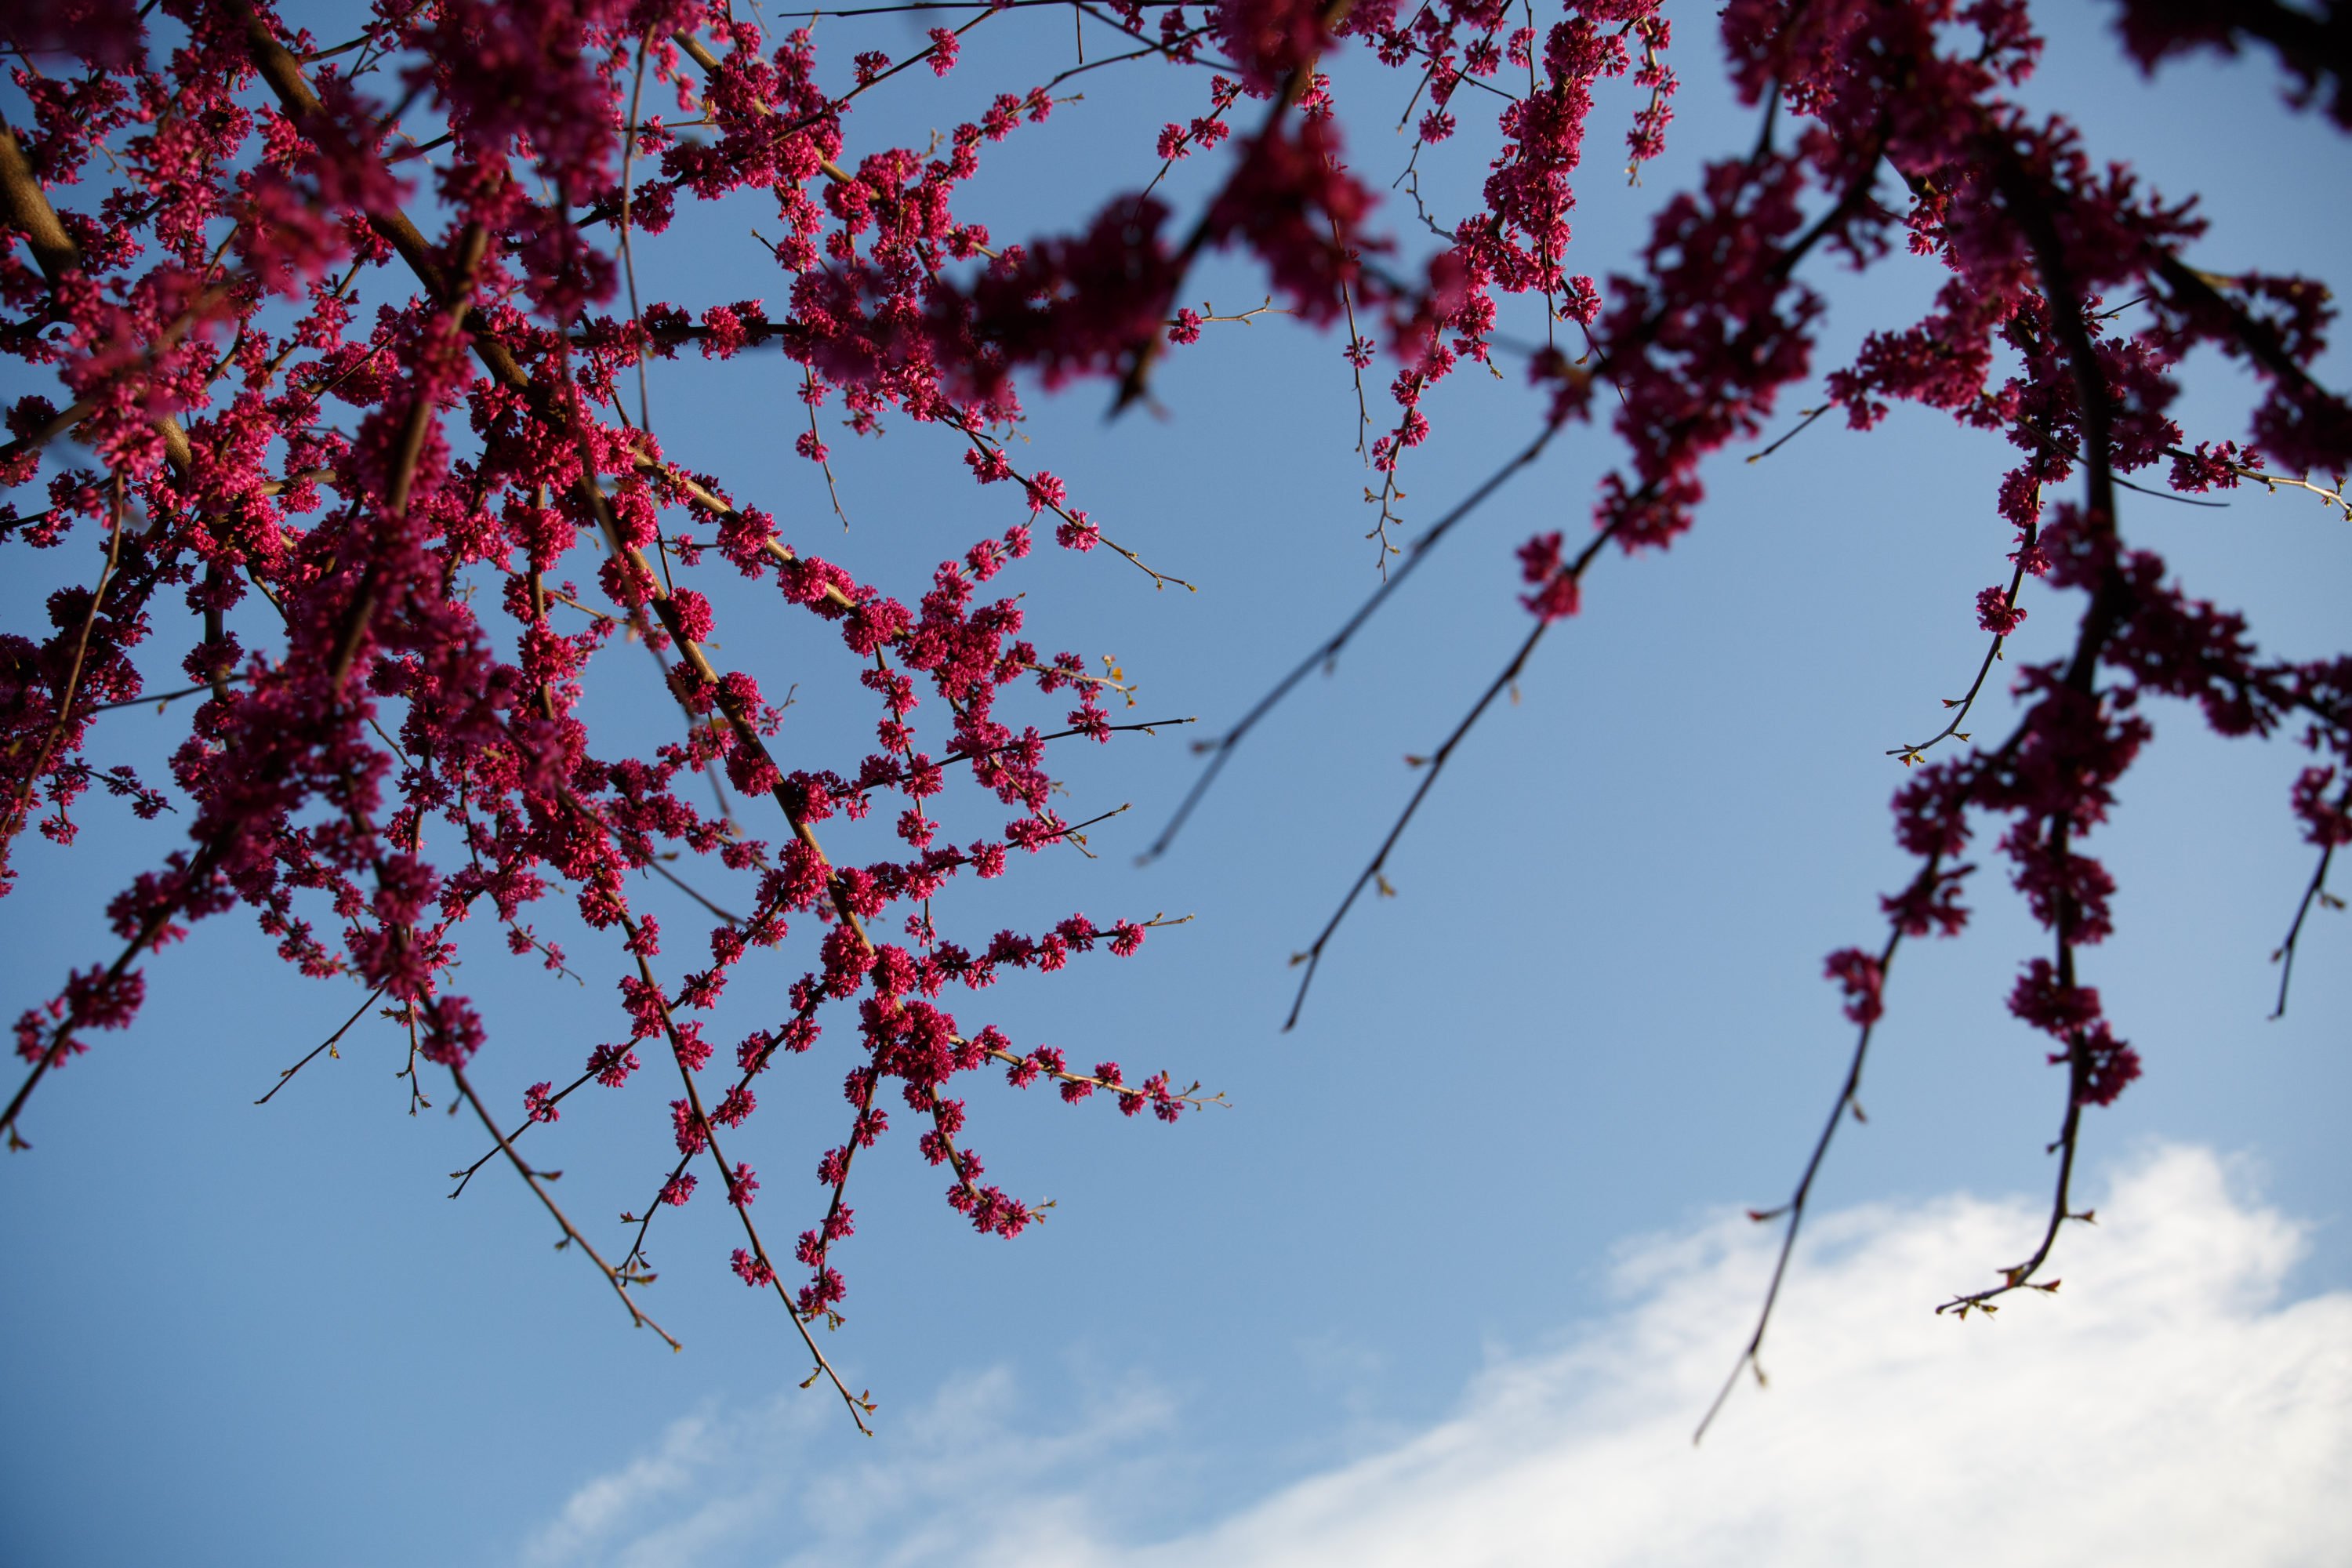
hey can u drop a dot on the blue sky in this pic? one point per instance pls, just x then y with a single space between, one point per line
1461 1242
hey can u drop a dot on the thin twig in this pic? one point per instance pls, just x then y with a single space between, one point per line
286 1075
1963 703
619 1282
2314 893
1432 766
1222 749
1802 425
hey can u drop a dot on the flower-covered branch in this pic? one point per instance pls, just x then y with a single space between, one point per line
344 327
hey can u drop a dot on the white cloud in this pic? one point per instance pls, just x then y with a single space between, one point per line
2166 1407
609 1504
723 1488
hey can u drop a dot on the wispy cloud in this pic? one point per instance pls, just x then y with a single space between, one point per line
727 1487
2168 1408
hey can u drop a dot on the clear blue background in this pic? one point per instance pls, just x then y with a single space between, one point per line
265 1335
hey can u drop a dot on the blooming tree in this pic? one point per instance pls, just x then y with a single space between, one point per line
336 340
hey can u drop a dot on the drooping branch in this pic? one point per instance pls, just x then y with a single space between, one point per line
1866 1009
